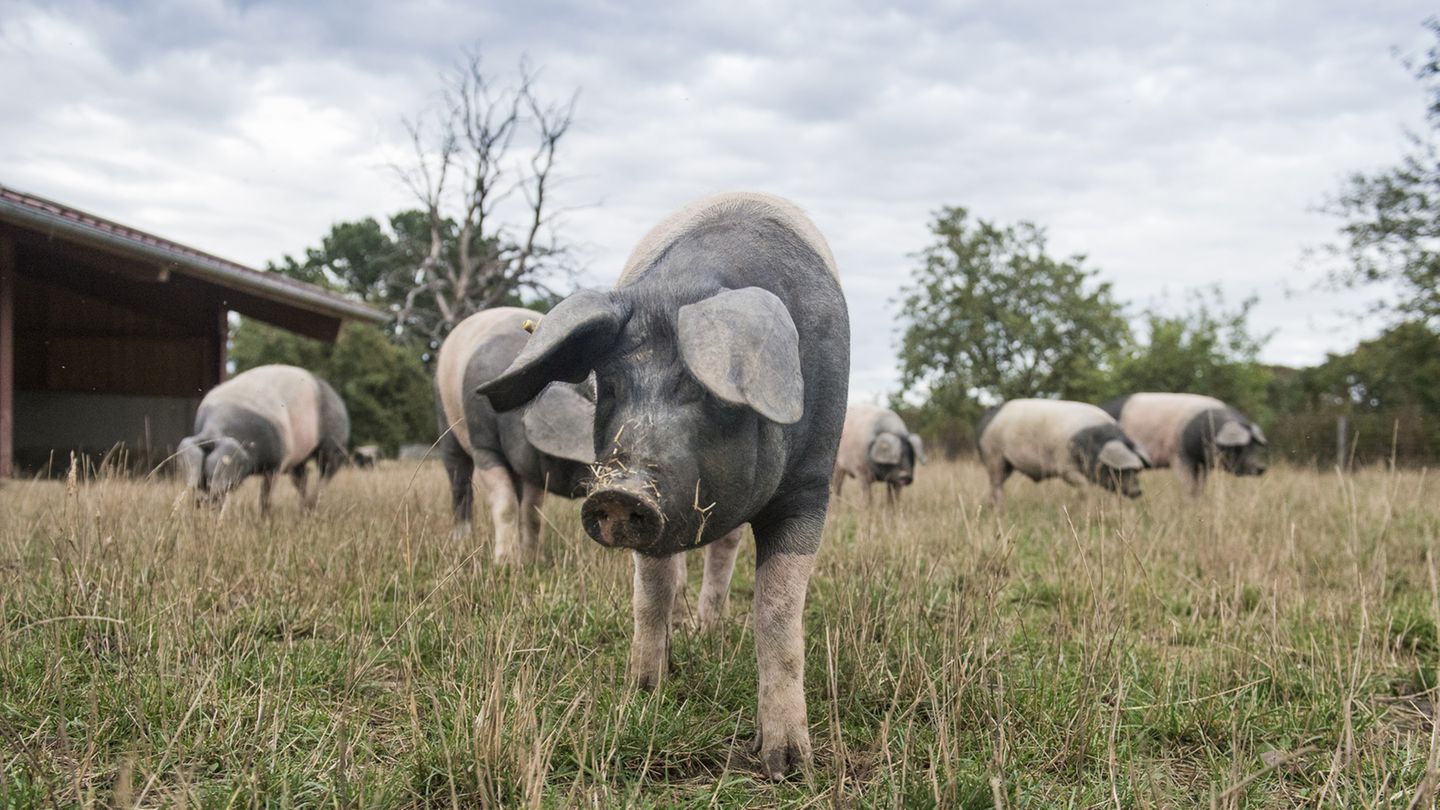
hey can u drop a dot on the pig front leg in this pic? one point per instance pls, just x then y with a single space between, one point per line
657 581
267 483
532 498
1191 477
719 567
785 554
300 476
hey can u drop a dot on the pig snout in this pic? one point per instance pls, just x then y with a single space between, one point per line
622 514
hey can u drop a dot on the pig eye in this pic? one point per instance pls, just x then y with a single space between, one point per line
687 391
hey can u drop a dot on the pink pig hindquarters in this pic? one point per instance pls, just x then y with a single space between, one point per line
1155 421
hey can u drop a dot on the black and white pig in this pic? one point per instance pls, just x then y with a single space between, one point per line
876 446
1049 438
268 421
1192 434
721 364
519 454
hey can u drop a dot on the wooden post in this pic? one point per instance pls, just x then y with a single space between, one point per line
7 356
1342 441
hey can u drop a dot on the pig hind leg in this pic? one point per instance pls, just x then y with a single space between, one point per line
719 567
999 470
460 467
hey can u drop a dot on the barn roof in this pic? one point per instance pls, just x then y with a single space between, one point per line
55 221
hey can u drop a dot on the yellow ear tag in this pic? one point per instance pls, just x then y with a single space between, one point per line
529 326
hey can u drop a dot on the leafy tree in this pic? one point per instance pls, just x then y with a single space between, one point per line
1392 229
1395 370
992 316
1204 350
1385 387
376 263
385 388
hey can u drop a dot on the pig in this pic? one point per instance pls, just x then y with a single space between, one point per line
721 363
520 455
876 446
1192 434
366 456
268 421
1048 438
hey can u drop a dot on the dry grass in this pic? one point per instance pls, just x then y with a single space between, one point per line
1272 645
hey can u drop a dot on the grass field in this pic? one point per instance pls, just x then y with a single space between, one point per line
1271 645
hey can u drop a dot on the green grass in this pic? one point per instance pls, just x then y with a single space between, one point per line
1268 646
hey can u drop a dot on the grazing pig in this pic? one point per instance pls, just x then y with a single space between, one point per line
268 421
1192 434
1048 438
875 446
721 364
520 455
366 456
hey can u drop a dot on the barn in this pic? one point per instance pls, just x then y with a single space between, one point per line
109 335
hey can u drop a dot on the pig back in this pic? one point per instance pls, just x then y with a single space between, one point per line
475 351
287 398
698 214
1034 435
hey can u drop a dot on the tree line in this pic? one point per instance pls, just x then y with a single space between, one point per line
989 314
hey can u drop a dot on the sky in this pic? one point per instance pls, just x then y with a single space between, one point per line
1175 145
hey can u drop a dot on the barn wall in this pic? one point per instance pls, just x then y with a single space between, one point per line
53 423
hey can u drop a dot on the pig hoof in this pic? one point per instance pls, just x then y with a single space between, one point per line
779 761
712 621
646 680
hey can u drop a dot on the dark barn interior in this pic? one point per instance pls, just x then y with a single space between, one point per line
109 336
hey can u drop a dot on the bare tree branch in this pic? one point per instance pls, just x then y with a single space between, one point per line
488 200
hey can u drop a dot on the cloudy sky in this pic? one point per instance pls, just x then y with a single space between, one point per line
1177 145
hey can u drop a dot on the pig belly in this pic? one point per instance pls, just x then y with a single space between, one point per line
1034 463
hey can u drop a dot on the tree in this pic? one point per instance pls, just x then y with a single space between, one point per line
488 152
1392 229
1204 350
992 316
384 387
1397 369
376 263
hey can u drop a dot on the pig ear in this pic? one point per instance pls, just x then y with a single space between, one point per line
1259 435
1232 434
919 447
1117 456
742 346
190 458
561 423
1144 456
565 347
886 449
